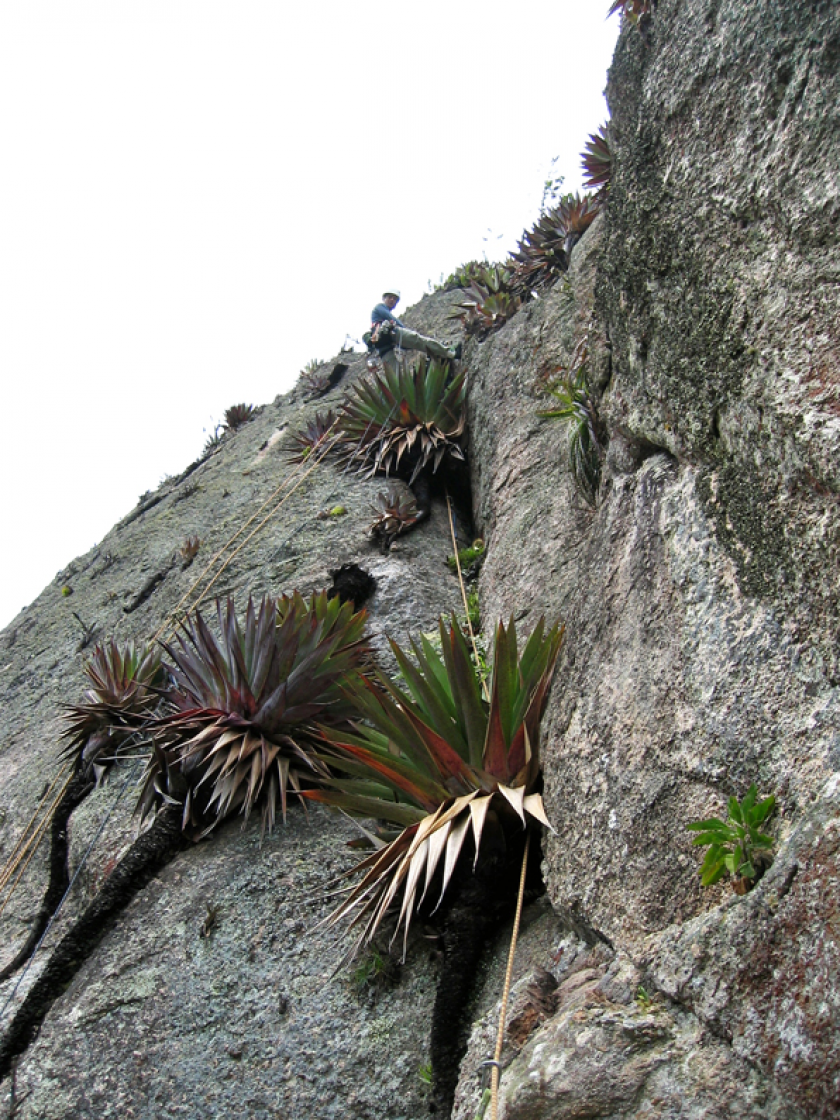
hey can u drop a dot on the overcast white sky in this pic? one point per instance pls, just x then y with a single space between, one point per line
198 197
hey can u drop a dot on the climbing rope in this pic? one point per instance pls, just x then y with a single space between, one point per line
30 841
319 453
464 599
70 886
316 458
24 840
28 845
321 449
500 1037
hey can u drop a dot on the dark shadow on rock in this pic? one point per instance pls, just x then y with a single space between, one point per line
483 902
78 789
352 584
149 852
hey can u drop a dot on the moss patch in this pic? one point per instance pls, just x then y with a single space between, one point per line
748 528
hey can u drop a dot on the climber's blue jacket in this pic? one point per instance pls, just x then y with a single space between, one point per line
382 313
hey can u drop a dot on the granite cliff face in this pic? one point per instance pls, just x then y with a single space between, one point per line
702 653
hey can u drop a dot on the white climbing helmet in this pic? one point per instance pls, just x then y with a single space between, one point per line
391 292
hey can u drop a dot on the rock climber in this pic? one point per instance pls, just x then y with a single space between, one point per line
388 333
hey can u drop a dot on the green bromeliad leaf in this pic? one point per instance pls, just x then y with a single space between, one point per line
405 420
731 843
577 407
442 761
490 299
125 691
241 729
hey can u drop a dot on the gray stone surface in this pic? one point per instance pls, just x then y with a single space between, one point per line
701 654
719 283
607 1049
700 598
161 1022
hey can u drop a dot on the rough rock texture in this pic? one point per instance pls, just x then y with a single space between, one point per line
700 598
160 1021
591 1042
702 653
164 1022
763 975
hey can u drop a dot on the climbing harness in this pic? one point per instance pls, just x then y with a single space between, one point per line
377 340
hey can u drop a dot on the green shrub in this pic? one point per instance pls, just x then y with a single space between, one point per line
736 845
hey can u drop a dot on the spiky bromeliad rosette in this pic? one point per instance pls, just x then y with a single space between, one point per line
120 703
489 299
242 729
404 421
544 251
459 773
395 513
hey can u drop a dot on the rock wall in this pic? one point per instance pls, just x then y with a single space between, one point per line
701 597
701 654
162 1021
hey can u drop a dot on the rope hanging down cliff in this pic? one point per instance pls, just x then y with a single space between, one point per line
39 823
42 818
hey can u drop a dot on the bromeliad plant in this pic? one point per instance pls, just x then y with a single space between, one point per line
736 845
126 684
214 440
458 771
489 300
632 10
395 513
404 422
577 214
237 415
188 551
312 437
314 381
543 253
596 162
578 408
241 733
463 276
